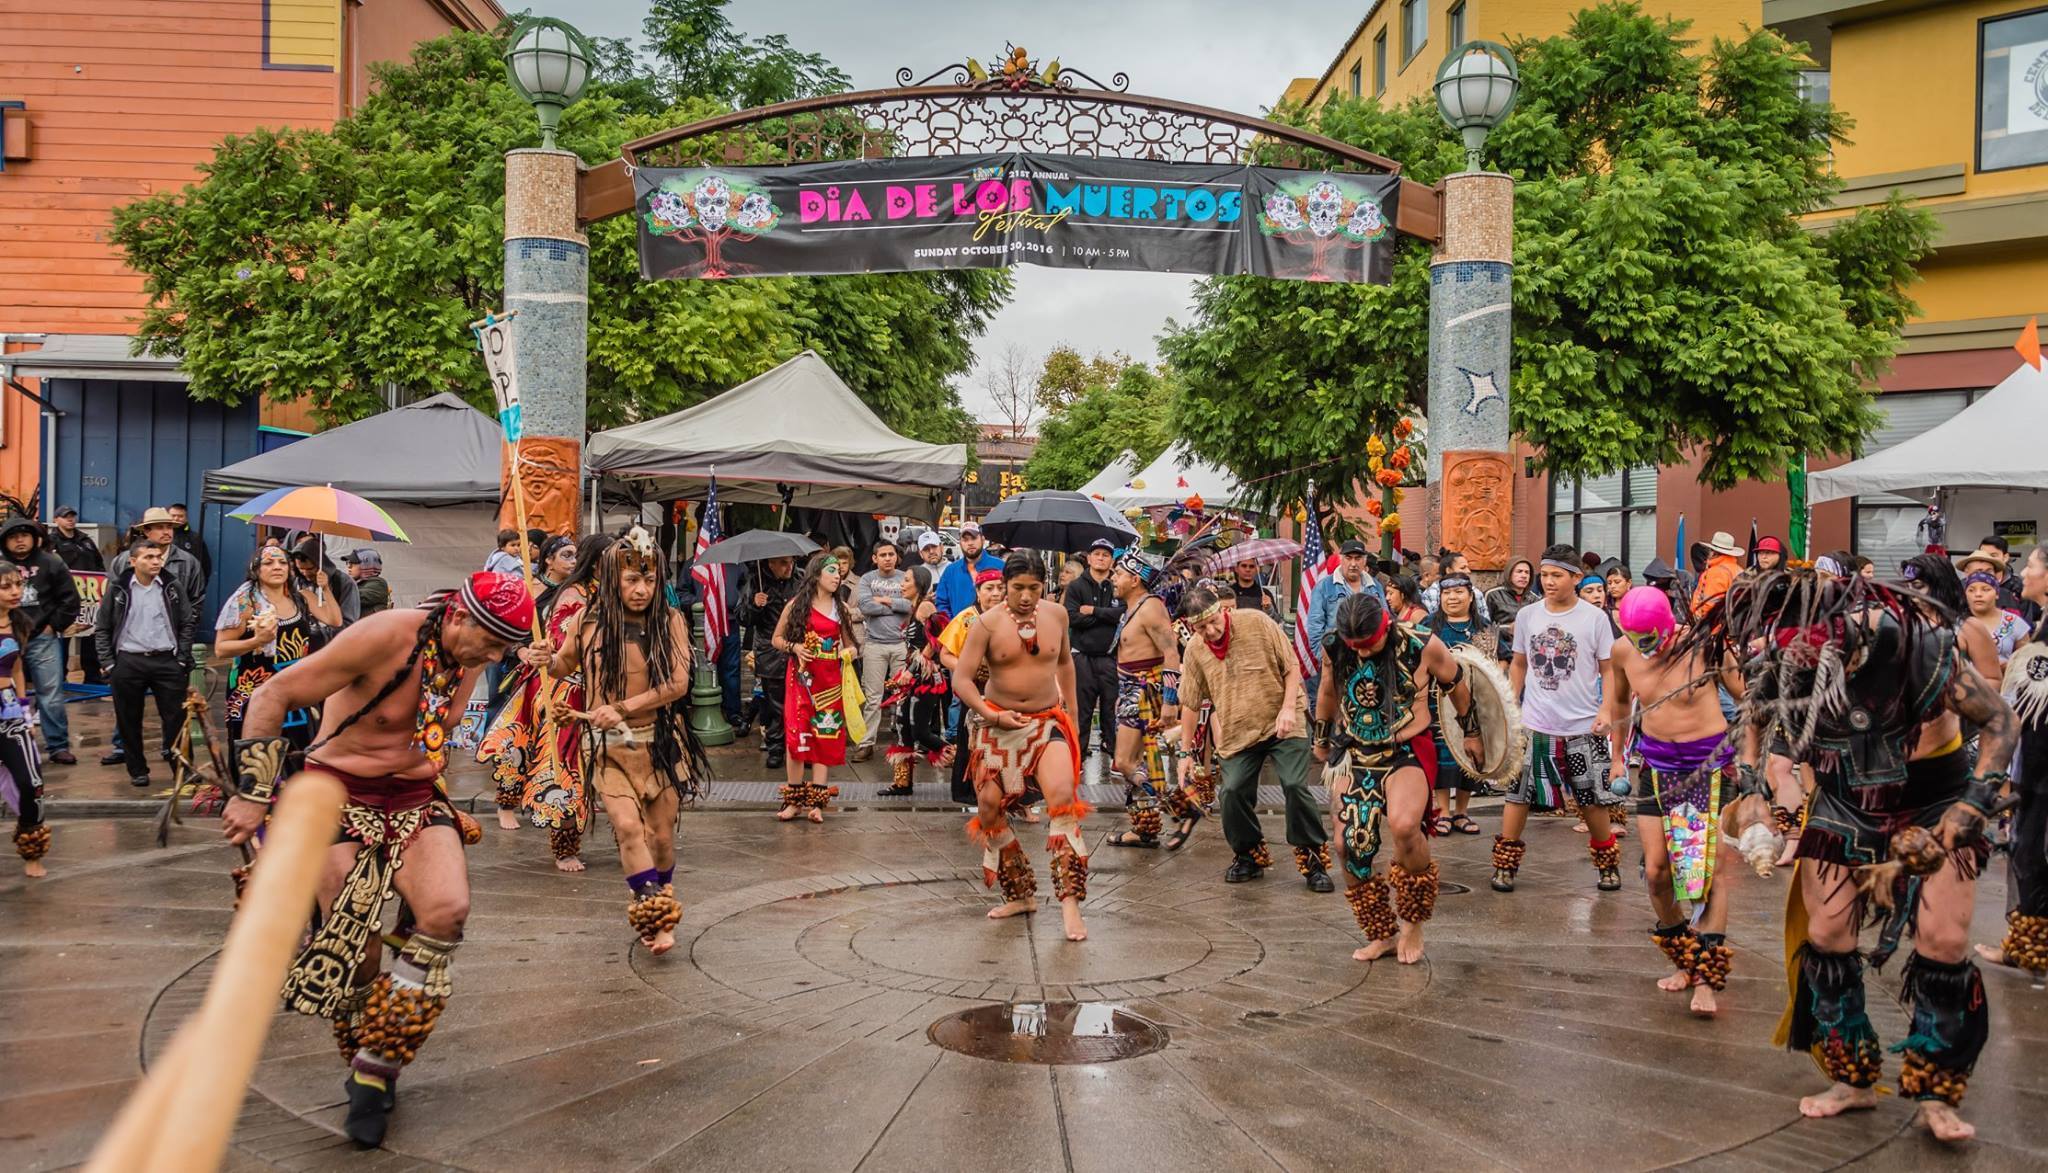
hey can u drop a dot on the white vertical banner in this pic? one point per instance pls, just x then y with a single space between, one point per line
2026 88
494 336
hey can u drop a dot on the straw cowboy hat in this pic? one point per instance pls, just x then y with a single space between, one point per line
1723 542
1993 559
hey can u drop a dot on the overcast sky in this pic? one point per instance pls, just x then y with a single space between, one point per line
1231 55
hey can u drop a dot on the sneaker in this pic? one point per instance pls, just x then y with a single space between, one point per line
862 753
110 758
139 781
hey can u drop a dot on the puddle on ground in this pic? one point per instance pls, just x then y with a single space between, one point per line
1056 1033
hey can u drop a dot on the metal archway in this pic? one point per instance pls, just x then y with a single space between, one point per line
963 109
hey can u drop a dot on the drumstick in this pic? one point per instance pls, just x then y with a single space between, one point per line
623 731
181 1116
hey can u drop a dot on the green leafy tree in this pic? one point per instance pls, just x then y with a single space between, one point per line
335 265
1667 299
698 53
1066 375
1134 410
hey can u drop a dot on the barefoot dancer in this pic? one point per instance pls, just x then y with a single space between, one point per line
819 634
1869 690
534 755
390 688
632 651
21 776
1024 732
1374 688
1147 698
1686 752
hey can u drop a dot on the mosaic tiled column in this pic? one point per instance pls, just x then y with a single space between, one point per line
1471 331
547 282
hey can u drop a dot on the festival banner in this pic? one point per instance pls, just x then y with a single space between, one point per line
989 211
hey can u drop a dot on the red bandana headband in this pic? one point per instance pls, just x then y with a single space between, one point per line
499 603
983 576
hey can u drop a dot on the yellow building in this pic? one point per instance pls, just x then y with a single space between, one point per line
1394 52
1950 101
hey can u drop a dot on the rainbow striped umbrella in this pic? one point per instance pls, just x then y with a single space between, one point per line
321 509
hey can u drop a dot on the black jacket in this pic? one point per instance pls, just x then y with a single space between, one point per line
1093 634
48 596
760 621
77 551
184 615
187 539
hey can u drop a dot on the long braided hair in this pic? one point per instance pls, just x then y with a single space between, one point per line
605 661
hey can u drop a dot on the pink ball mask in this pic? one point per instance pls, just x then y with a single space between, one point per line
1646 619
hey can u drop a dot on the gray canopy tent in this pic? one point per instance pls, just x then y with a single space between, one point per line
797 428
432 465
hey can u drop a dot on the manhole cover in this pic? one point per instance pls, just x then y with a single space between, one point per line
1057 1033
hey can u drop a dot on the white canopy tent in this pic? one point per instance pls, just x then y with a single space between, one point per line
1995 443
797 427
1112 476
1175 476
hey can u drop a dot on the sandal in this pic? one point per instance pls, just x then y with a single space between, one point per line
1440 826
1128 838
1464 825
1181 831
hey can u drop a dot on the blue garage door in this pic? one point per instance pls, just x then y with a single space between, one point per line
122 446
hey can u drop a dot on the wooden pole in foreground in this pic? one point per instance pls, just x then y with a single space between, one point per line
180 1117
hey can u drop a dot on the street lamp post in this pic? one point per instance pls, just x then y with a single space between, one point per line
548 62
547 278
1471 323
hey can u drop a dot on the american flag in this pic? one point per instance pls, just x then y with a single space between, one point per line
1314 565
710 579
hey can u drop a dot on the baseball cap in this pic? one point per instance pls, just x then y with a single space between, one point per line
972 527
363 558
1354 546
66 511
928 539
1102 544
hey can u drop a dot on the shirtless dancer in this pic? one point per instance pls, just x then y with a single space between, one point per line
390 689
1023 729
1686 753
633 651
1147 700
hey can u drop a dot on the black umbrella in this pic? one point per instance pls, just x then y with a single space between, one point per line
1055 519
756 545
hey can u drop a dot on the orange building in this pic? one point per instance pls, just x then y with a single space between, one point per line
110 101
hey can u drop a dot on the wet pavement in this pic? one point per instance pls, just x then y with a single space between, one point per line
792 1026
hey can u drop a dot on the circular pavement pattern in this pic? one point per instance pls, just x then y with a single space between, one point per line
790 1026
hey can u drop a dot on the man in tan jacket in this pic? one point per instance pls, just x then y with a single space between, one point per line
1241 664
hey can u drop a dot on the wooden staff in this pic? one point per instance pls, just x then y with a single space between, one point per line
181 1116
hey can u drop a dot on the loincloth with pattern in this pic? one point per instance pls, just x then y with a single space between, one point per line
383 816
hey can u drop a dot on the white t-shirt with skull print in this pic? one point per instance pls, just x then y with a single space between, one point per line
1561 694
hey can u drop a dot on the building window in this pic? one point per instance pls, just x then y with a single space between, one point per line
2012 91
1884 527
1357 78
1454 22
1614 516
1815 85
1414 29
1379 64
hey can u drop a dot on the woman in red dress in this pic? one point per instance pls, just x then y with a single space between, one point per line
819 634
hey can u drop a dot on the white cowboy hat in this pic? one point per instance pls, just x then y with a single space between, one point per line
1722 542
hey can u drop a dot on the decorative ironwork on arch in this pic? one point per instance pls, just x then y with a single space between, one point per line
969 109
